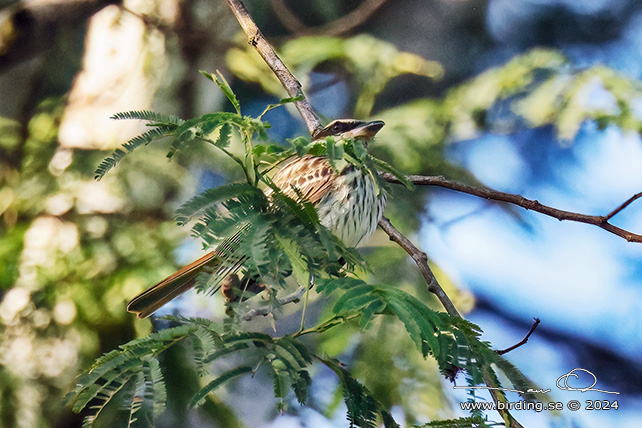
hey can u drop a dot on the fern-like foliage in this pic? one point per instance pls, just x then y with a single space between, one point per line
453 342
160 131
134 369
214 128
266 237
131 368
364 410
154 118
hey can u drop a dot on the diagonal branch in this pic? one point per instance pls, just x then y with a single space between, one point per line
421 259
623 206
529 204
341 25
290 83
523 342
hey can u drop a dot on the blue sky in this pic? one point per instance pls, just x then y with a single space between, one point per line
582 282
578 279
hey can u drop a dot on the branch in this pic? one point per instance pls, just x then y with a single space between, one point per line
421 259
294 297
621 207
529 204
289 82
339 26
523 341
498 397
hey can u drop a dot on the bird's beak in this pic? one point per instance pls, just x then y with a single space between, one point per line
365 131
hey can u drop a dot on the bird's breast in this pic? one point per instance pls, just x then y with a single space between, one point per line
352 208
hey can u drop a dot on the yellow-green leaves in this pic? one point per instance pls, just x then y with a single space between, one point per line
371 61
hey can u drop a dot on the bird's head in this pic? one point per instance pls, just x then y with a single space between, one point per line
351 128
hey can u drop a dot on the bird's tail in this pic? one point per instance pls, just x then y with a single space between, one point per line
150 300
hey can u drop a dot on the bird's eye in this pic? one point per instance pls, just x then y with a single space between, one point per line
336 127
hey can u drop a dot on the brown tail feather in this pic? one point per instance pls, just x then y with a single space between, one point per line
150 300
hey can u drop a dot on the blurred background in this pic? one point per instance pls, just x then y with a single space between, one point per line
535 97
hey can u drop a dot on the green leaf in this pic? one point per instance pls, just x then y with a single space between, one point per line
300 145
329 285
140 415
335 153
184 136
369 311
388 421
362 407
293 252
291 359
143 139
354 300
113 370
280 103
159 392
212 197
204 342
280 377
226 350
199 397
225 88
297 349
518 379
385 167
465 422
359 150
155 119
300 385
103 397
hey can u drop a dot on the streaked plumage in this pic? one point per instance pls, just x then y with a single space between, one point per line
346 201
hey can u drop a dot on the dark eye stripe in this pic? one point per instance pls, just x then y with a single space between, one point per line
337 127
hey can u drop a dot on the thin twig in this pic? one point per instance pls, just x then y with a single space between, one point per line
289 82
421 259
523 341
529 204
339 26
290 298
621 207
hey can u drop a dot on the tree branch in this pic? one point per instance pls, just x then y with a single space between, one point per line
523 341
621 207
339 26
529 204
266 310
421 259
290 83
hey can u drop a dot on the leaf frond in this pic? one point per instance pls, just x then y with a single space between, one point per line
155 119
157 133
199 397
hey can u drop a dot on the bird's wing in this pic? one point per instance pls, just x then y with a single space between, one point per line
312 176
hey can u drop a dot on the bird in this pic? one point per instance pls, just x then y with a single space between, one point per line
347 200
